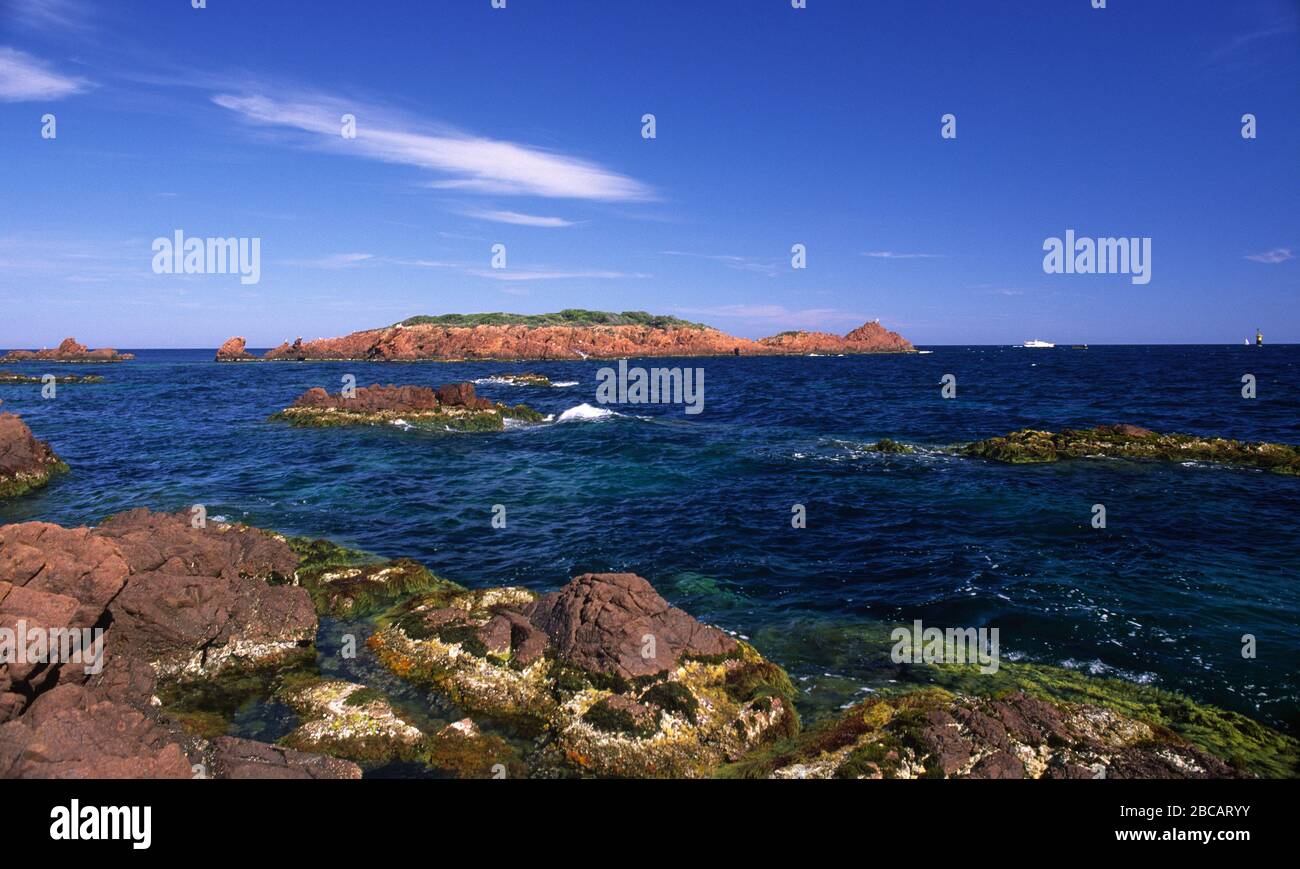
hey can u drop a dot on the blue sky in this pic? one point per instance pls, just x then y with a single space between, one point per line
775 126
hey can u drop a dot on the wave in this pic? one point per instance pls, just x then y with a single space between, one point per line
586 413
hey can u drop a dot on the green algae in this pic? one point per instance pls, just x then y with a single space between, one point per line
1031 446
610 718
885 445
347 583
11 486
673 698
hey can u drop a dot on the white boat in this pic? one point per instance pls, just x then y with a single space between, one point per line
1037 343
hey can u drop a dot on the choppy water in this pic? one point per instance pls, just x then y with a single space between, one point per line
1193 558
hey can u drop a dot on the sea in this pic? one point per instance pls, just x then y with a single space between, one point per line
1194 557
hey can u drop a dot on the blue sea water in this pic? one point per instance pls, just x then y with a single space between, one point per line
1194 556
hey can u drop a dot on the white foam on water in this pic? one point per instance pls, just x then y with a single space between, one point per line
586 413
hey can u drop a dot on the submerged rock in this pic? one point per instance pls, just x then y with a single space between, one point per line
1029 446
616 681
452 407
68 351
344 583
25 462
463 750
230 758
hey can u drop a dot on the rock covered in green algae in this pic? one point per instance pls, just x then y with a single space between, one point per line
1029 446
932 733
346 583
349 720
463 750
25 462
453 407
560 667
885 445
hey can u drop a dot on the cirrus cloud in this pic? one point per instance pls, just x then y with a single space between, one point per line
471 163
23 78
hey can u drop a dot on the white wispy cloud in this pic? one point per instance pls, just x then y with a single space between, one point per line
890 254
470 163
23 78
512 275
739 263
1277 255
333 261
47 14
516 218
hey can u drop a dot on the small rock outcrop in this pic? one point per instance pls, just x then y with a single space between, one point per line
233 351
67 351
620 683
25 462
600 622
452 407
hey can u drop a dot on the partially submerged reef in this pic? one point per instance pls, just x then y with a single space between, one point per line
601 678
12 377
67 351
523 379
1030 446
453 407
25 462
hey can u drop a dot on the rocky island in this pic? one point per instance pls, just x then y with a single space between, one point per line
599 678
25 462
68 351
568 334
453 407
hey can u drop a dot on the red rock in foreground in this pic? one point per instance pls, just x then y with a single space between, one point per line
424 341
178 602
68 351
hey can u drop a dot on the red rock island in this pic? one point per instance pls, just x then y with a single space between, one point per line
68 351
569 334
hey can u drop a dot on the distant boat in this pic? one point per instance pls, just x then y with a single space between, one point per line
1036 343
